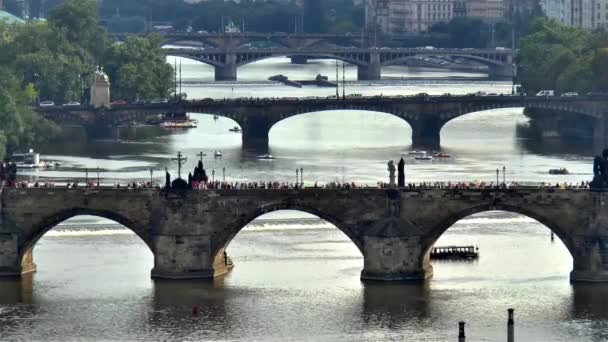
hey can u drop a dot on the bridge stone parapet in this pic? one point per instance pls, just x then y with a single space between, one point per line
188 232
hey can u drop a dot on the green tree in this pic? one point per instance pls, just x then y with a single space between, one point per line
138 69
79 22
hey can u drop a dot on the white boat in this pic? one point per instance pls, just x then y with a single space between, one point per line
31 160
190 123
417 153
217 153
235 129
423 157
266 157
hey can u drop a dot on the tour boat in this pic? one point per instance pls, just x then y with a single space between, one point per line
423 157
441 155
266 156
190 123
561 171
217 154
235 129
31 160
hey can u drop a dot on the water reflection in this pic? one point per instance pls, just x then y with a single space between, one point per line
390 305
16 290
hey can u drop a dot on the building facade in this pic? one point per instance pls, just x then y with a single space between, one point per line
407 16
587 14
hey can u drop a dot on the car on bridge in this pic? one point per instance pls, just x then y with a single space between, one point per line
546 93
46 104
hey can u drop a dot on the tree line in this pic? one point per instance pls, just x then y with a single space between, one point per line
562 58
56 60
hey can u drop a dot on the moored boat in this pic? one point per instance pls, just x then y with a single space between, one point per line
31 160
266 157
423 157
235 129
441 155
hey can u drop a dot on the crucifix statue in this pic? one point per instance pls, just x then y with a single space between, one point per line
201 154
180 161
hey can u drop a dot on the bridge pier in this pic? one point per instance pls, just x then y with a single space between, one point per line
599 133
426 132
395 259
503 71
299 59
372 71
187 257
590 259
227 71
255 132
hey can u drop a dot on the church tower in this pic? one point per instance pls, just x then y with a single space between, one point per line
100 90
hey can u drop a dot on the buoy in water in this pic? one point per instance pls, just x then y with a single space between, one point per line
196 310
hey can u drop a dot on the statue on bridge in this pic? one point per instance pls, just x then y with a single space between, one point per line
391 173
600 171
401 173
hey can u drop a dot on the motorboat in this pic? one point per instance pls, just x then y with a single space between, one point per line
441 155
31 160
560 171
424 157
266 157
235 129
217 153
417 153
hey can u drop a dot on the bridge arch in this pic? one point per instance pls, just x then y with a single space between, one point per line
258 56
29 237
232 231
538 216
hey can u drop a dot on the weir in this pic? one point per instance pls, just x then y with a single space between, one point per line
395 229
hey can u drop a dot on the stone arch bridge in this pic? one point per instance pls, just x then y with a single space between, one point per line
425 114
369 61
394 229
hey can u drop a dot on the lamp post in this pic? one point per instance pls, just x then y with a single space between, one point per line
297 177
86 176
301 177
213 175
151 173
504 175
98 176
224 174
497 173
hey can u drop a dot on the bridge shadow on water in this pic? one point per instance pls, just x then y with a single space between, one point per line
529 140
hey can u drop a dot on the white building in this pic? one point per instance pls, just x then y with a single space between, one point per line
586 14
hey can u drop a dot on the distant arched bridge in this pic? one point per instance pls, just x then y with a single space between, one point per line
425 114
369 61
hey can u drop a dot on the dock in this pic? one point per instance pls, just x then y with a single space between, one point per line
455 252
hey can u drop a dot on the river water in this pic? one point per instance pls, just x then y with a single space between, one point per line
296 277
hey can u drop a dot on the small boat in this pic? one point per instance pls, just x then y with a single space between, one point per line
179 124
417 153
560 171
217 153
441 155
424 157
31 160
266 157
235 129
